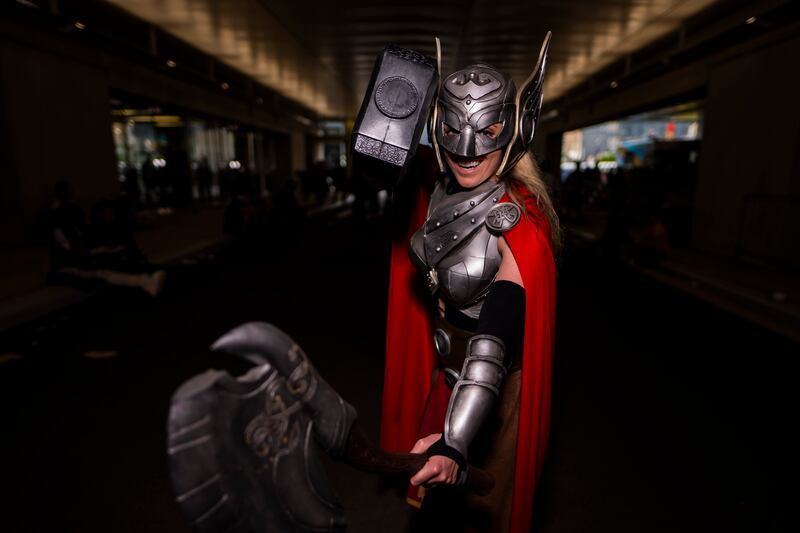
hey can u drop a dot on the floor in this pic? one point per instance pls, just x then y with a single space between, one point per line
668 414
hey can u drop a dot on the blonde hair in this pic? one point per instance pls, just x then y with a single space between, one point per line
525 175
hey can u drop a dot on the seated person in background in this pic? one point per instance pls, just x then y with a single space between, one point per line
111 236
104 251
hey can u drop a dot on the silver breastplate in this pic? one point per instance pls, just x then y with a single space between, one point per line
455 247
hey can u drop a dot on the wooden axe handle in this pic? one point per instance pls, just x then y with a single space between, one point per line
364 455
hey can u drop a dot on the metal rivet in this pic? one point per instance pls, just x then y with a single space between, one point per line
438 224
455 237
438 248
455 213
494 200
472 203
472 220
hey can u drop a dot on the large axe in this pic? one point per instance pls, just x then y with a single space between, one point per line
243 452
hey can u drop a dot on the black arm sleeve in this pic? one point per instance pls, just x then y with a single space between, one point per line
503 315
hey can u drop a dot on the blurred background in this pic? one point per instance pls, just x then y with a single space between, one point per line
171 168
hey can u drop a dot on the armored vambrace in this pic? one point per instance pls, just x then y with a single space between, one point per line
475 392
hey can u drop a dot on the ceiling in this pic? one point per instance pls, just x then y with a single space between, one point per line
321 53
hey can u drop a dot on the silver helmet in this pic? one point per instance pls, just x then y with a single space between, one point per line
471 100
478 96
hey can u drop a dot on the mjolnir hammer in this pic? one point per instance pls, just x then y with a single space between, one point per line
243 452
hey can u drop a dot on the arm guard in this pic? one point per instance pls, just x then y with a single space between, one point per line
475 392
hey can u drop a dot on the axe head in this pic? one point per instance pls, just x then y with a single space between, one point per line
243 456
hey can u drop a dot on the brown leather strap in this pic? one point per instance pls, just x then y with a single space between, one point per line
458 347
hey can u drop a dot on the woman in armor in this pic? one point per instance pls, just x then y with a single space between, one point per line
484 242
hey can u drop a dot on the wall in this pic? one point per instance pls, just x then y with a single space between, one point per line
57 119
749 174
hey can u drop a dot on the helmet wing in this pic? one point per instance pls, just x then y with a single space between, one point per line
529 103
436 111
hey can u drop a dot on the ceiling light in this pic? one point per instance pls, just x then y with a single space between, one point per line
225 86
79 25
171 63
614 84
750 20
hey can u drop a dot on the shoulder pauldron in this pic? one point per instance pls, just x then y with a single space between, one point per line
502 217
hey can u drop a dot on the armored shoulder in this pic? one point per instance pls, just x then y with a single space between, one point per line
502 217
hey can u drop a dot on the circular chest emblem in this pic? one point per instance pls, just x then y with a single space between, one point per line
396 97
503 217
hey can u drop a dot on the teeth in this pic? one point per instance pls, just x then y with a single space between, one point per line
471 164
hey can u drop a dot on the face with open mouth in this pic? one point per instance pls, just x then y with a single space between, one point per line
472 171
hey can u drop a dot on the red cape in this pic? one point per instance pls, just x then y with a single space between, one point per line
410 357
